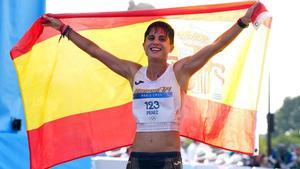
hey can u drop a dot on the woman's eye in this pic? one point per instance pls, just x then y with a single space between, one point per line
162 38
151 37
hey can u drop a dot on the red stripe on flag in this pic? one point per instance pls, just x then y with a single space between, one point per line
114 19
28 40
214 128
79 135
165 11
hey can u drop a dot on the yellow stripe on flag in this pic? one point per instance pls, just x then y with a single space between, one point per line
59 79
235 76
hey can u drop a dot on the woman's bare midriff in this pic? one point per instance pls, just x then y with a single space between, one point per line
161 141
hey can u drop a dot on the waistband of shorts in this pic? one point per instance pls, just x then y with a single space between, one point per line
172 154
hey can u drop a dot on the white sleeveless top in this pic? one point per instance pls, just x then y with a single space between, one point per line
156 103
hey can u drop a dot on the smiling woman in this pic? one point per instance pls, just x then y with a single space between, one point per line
158 114
158 43
78 106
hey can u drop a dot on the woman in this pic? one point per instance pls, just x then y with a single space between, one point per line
157 88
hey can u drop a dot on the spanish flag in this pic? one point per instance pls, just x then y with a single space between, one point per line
75 106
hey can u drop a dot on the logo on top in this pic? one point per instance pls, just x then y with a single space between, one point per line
139 82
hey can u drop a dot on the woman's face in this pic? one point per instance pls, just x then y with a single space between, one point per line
157 44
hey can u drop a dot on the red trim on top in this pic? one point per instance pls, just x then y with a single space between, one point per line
113 19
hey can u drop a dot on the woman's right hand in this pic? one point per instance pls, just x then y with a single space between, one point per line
52 22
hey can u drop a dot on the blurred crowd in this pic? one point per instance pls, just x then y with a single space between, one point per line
281 156
194 152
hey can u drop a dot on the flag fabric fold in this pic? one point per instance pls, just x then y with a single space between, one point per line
260 15
75 106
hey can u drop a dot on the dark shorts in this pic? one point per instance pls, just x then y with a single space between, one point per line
161 160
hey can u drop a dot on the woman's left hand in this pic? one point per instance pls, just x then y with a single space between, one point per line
246 19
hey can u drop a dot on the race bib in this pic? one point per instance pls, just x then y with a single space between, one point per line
153 107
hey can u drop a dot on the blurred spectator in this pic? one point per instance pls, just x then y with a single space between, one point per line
265 162
297 157
183 144
234 159
222 157
258 160
191 150
281 158
199 152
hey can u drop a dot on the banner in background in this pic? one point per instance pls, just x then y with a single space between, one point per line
75 106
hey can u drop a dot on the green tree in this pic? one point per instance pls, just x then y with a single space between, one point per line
287 139
287 118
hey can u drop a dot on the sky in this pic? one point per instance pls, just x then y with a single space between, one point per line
282 55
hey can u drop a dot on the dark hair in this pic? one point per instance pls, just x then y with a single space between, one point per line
164 26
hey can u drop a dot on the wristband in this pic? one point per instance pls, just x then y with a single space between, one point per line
61 28
66 30
242 24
